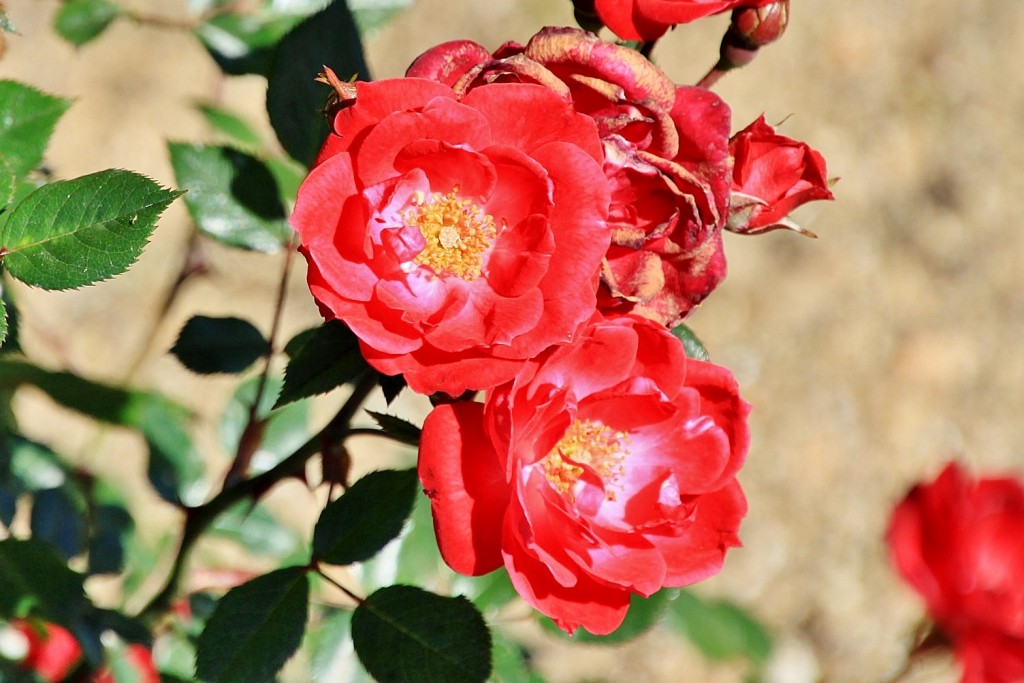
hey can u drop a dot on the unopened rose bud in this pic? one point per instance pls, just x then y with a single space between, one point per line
751 29
754 27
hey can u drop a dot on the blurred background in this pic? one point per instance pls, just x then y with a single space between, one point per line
872 355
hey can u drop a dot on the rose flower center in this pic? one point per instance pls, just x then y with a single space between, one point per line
457 233
586 444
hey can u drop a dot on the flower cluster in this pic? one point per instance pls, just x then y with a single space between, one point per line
532 223
957 541
53 654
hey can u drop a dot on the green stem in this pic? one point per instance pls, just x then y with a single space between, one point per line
198 519
319 570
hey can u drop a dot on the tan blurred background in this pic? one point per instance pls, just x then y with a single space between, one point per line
871 355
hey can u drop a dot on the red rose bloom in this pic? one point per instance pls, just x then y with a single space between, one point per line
665 155
52 651
606 468
958 542
772 175
141 661
456 238
649 19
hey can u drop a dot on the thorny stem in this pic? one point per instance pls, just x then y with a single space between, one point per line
197 519
246 446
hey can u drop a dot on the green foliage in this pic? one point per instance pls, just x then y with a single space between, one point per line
232 196
719 629
27 119
79 21
175 468
35 580
72 233
693 346
372 15
257 530
294 99
397 428
8 184
231 125
403 634
210 345
244 43
5 23
283 429
371 513
58 517
255 629
322 359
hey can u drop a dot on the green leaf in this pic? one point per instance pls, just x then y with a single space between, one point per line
76 232
694 347
397 428
289 175
284 429
244 43
232 196
643 614
511 662
35 580
79 21
27 119
9 324
321 360
175 468
371 513
372 15
294 98
234 127
110 531
404 634
257 530
5 23
33 465
8 184
58 517
255 629
719 629
211 345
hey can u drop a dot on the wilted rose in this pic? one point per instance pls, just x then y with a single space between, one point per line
772 175
607 468
958 542
665 155
456 237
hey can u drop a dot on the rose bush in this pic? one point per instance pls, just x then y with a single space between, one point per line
666 157
606 468
772 175
456 237
957 541
649 19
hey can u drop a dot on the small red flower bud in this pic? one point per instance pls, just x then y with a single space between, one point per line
754 27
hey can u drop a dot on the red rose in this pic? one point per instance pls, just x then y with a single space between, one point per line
52 651
141 661
606 468
958 542
649 19
772 175
456 238
665 155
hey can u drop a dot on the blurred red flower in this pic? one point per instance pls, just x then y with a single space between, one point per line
606 468
52 651
141 661
772 175
666 157
960 543
456 237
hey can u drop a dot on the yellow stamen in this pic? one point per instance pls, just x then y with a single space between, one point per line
590 444
457 233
